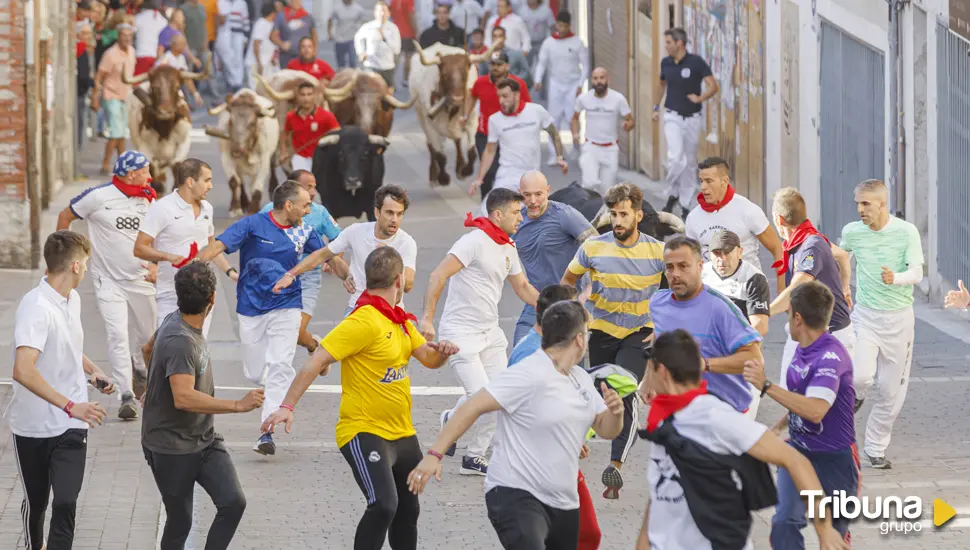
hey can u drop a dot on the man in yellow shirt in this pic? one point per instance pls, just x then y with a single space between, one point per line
374 345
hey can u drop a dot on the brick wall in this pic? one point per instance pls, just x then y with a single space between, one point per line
15 248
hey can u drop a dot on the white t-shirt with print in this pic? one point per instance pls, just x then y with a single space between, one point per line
359 241
172 223
149 24
719 428
267 50
475 291
542 425
740 216
603 115
518 139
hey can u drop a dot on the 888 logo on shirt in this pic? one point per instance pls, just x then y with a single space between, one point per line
125 222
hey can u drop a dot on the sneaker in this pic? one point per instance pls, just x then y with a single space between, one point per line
684 212
858 405
613 480
128 410
879 462
444 420
264 445
473 466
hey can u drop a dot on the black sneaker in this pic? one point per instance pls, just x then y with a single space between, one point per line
684 213
128 410
880 462
858 405
671 203
264 445
473 466
613 480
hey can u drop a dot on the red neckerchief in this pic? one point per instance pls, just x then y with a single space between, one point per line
193 252
498 21
276 223
663 406
290 15
130 190
728 195
518 109
797 237
490 229
558 36
395 314
80 49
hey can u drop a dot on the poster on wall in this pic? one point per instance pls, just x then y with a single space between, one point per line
960 17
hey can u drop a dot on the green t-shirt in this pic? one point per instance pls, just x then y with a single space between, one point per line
896 246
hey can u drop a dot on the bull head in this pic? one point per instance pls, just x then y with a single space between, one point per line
336 95
424 60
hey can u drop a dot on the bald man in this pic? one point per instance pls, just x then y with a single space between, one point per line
889 262
547 239
600 156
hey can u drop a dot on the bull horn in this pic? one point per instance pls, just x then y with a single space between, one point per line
133 80
479 58
273 94
218 109
216 132
602 217
673 221
189 75
377 140
331 139
437 107
397 103
336 95
268 112
424 61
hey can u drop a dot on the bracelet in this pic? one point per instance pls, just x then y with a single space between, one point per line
291 274
68 407
287 407
436 454
230 270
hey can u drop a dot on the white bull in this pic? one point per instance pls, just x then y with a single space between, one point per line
248 133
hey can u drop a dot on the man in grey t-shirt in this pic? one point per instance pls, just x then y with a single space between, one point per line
293 24
178 436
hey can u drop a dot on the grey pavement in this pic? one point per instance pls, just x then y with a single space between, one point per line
305 497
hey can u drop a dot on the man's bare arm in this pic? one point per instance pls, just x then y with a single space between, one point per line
436 284
780 303
574 127
488 156
769 239
210 252
65 218
145 250
734 363
643 541
556 141
523 289
712 88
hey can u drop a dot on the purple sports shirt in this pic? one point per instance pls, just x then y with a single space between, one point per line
823 370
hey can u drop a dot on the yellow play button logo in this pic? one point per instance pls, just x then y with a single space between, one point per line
942 512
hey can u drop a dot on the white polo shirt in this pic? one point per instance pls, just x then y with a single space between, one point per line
50 323
518 138
148 25
602 115
475 291
741 216
114 221
172 223
359 241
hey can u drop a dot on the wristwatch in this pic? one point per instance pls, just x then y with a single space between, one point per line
230 270
764 387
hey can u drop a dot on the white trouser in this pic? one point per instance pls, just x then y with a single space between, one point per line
682 135
299 162
482 356
598 165
231 48
167 303
129 322
562 102
268 345
845 335
883 355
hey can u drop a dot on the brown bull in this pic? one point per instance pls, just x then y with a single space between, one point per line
368 105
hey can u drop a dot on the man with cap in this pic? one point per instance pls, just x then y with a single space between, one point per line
269 244
123 284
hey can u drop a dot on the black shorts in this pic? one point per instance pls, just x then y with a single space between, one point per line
407 45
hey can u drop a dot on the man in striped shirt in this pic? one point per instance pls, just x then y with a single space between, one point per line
626 268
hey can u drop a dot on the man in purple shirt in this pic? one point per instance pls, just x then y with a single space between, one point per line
820 400
727 340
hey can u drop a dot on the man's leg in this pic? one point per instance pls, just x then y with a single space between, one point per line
217 476
310 288
789 518
866 355
847 337
67 461
609 165
519 519
892 380
142 315
589 168
280 334
564 531
369 458
630 357
688 178
254 347
494 362
674 129
113 305
526 321
340 49
403 532
175 477
33 465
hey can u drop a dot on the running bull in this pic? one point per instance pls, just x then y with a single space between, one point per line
349 167
441 77
658 225
248 133
159 119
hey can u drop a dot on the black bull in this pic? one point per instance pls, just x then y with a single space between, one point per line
589 203
349 167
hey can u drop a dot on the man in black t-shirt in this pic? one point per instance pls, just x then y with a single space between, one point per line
681 77
444 30
737 279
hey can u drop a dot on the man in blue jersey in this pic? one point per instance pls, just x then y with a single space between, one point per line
547 240
323 223
727 340
532 340
269 244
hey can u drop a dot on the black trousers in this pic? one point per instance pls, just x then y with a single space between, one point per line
381 469
626 353
176 476
481 140
49 464
522 522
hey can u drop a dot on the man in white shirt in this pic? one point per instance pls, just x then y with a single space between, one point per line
516 131
599 159
233 21
516 32
378 43
478 265
346 18
122 283
175 229
490 7
262 55
719 208
175 57
467 14
567 60
540 21
49 414
149 24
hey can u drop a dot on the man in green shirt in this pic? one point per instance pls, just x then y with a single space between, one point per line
889 261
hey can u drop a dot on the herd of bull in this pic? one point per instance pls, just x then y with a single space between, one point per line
348 163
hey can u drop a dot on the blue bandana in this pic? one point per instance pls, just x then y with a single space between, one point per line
129 161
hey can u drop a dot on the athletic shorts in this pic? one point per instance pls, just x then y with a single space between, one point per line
310 290
116 118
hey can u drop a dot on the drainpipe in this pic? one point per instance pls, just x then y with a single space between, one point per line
897 179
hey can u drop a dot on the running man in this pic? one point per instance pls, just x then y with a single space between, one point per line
599 158
626 269
682 77
269 244
304 127
478 265
123 284
378 43
745 284
175 228
320 220
547 240
518 37
889 262
566 60
375 434
310 64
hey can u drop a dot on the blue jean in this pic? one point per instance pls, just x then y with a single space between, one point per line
837 471
526 321
346 54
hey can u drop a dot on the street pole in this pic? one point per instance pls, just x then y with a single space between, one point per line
897 179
